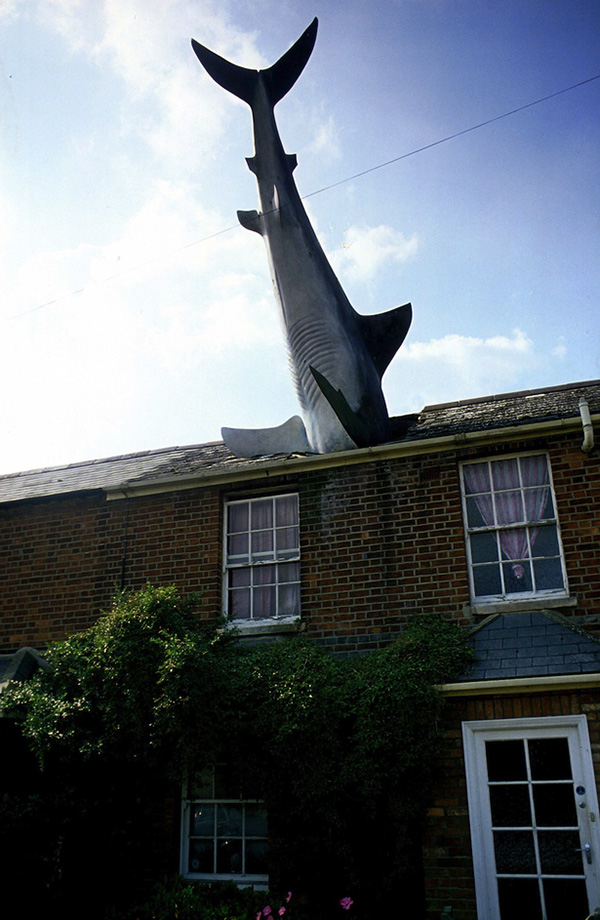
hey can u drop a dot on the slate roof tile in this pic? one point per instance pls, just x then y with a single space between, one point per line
552 645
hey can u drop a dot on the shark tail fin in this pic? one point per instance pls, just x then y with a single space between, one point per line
278 79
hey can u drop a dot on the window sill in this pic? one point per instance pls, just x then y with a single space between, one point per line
257 882
275 626
520 606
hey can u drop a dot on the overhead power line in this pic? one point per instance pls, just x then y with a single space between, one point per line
325 188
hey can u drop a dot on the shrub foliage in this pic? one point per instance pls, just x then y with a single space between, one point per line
342 750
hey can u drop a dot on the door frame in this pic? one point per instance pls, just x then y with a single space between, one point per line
474 736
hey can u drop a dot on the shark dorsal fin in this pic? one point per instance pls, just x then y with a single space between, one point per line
384 333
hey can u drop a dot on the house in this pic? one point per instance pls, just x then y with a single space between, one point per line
487 511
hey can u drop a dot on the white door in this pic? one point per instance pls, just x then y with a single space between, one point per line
534 819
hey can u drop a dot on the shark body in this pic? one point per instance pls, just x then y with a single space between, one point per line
337 356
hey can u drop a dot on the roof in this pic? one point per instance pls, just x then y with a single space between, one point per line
20 665
539 644
532 407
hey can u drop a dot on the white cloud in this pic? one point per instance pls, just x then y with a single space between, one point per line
326 141
458 367
366 250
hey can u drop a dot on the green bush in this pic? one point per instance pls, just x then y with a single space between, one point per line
343 751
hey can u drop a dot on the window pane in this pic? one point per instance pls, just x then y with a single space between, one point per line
202 821
237 545
554 805
262 514
264 575
515 852
510 806
229 821
558 853
262 542
486 580
544 541
229 856
286 510
237 518
289 600
287 539
534 470
548 574
477 517
505 474
506 760
201 858
549 758
264 602
509 508
477 478
517 577
536 504
239 578
288 571
484 547
239 603
519 898
565 898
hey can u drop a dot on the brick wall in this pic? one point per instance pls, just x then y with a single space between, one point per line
380 541
63 559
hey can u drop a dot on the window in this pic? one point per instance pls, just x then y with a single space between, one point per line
513 540
262 553
533 816
224 835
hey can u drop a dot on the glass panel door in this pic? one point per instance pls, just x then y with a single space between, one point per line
534 818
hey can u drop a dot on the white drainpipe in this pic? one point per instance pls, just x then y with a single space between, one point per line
588 428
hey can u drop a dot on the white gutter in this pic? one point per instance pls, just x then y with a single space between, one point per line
522 685
588 428
262 469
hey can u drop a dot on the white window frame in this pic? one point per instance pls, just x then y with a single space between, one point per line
475 734
515 598
259 881
272 559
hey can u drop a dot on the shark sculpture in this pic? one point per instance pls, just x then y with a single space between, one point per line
337 356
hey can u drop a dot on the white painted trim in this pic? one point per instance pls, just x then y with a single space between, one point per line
519 685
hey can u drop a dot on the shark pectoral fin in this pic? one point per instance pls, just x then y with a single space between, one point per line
289 438
250 220
353 425
384 333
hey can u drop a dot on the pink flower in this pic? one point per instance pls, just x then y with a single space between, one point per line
346 903
281 911
266 911
259 915
288 897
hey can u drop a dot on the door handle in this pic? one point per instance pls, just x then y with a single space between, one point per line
587 849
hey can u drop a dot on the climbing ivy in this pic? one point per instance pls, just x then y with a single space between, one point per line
343 750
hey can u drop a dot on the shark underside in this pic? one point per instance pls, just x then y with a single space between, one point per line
337 356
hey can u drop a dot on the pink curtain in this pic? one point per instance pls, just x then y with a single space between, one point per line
518 491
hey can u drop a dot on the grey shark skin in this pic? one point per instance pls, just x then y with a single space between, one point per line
337 356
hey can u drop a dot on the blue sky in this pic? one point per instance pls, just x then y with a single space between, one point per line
128 325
